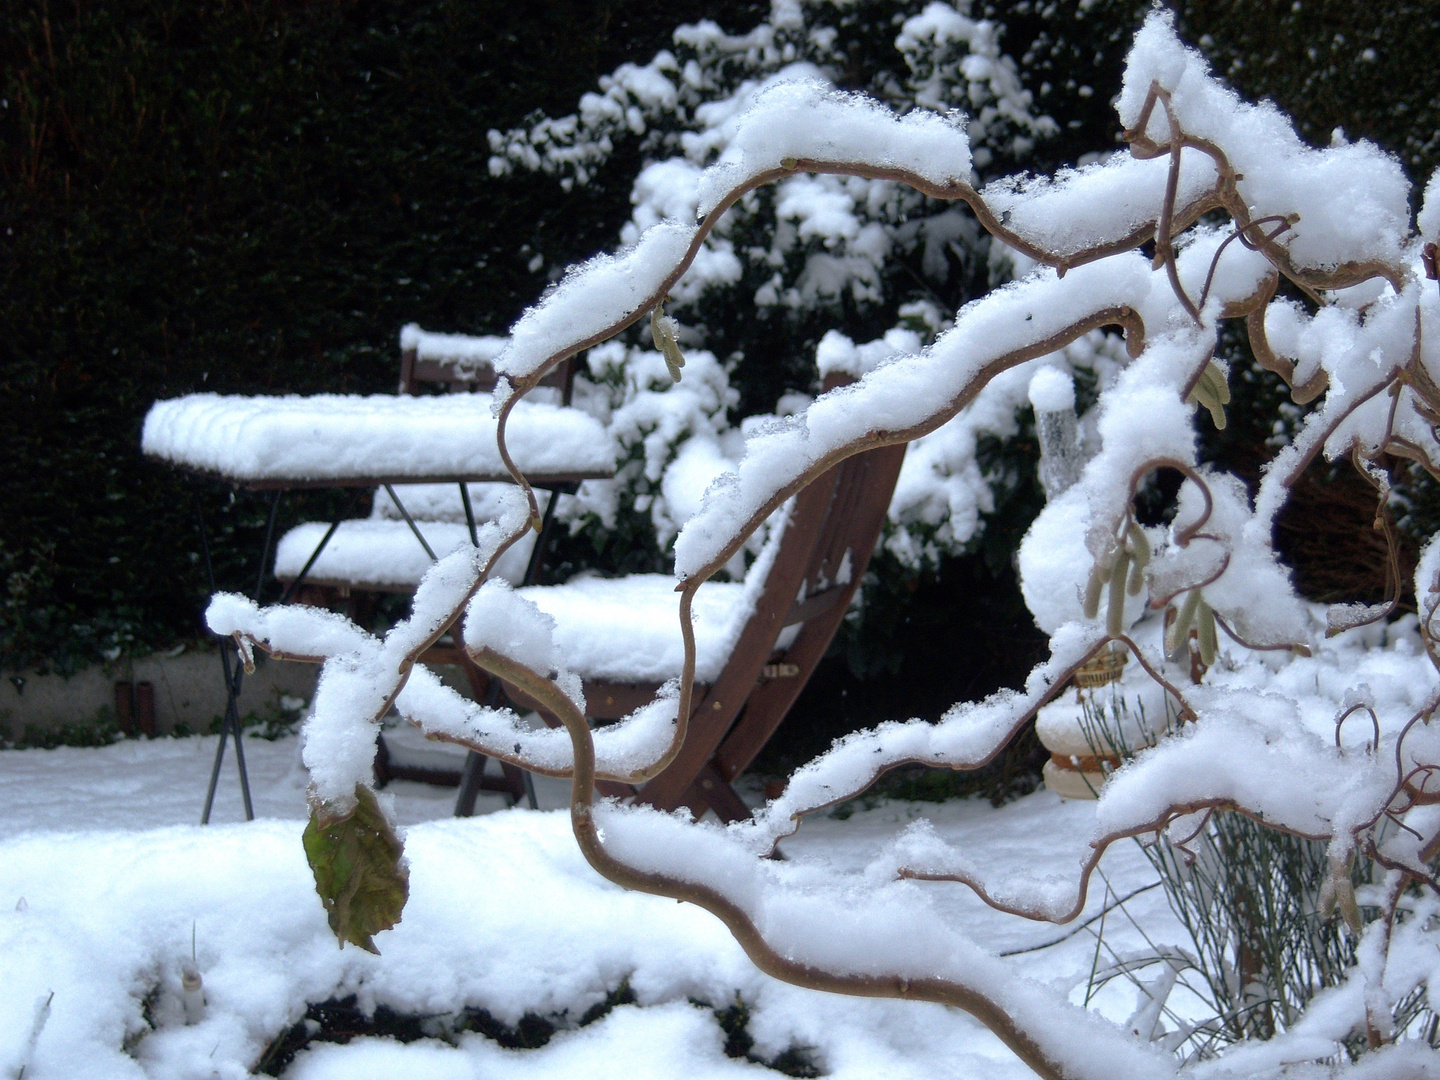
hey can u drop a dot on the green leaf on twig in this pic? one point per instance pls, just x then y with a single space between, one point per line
360 870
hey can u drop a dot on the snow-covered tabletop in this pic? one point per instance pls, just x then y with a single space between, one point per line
344 440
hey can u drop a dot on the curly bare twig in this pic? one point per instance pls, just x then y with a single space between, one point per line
1238 233
1297 647
1351 711
1184 844
1192 530
1164 237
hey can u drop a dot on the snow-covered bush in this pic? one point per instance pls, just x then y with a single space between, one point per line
792 262
1215 212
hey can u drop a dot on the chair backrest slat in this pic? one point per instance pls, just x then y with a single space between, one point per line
872 476
837 513
468 376
827 566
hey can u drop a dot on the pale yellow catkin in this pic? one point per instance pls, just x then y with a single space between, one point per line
1180 628
1115 614
1219 392
1137 578
1219 382
1139 559
1139 543
1212 392
1205 632
1099 575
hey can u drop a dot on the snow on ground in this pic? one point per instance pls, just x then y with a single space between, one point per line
104 876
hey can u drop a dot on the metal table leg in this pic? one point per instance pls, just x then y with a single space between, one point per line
230 724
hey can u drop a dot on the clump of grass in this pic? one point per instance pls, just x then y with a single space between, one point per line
1248 898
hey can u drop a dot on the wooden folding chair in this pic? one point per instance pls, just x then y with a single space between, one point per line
822 557
836 523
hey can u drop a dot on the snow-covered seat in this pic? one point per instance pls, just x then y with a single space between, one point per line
609 628
757 641
382 554
624 629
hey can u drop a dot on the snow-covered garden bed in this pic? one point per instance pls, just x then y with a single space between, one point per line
105 883
104 879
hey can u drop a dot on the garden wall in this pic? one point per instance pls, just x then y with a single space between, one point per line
188 694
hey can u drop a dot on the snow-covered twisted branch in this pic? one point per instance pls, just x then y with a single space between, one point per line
1346 236
914 394
609 294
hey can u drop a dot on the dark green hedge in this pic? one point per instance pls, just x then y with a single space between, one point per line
249 197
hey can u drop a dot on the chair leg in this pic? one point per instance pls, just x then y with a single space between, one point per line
382 762
515 784
482 689
515 781
470 778
709 791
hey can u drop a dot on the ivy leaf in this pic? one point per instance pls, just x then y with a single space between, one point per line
360 870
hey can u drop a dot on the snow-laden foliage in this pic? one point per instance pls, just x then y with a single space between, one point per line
873 257
1229 207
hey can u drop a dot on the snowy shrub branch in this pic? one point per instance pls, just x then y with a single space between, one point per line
1215 212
